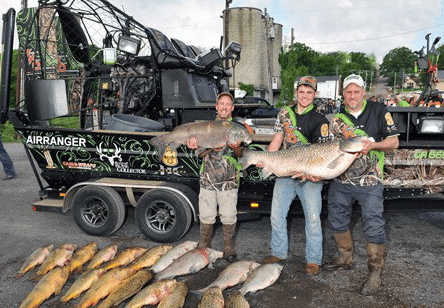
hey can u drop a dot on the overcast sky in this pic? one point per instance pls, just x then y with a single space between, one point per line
376 26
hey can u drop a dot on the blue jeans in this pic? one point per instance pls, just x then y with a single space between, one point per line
285 190
8 166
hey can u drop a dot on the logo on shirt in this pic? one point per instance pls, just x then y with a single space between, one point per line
324 130
389 119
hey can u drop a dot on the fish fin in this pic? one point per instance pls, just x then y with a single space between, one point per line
199 151
198 293
265 173
335 162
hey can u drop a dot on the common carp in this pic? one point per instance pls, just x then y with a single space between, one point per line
212 298
326 160
149 257
190 263
176 298
104 286
172 255
50 284
83 283
232 275
152 294
125 257
82 256
209 134
104 255
261 277
236 300
130 286
59 257
36 258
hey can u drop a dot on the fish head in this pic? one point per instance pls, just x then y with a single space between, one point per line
239 132
352 145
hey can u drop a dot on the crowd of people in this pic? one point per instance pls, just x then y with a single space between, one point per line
302 124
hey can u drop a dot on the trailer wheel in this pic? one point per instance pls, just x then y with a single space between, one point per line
163 215
98 210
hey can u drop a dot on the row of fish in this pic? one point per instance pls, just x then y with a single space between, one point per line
117 277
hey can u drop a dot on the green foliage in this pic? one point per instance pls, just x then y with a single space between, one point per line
66 122
8 133
398 61
13 88
249 88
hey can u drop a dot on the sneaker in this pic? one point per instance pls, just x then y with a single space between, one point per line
9 177
312 269
272 259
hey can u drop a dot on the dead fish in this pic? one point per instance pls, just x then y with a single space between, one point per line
36 258
152 294
125 257
326 160
212 298
82 256
50 284
209 134
172 255
59 257
234 274
261 277
104 286
236 300
149 257
83 283
176 298
130 286
190 263
104 255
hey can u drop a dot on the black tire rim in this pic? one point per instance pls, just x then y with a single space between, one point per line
94 212
160 216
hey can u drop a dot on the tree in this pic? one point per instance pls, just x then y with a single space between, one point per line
398 61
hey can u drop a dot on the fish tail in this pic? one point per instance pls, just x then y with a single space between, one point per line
198 293
19 274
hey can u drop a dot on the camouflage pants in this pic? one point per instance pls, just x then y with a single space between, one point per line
208 206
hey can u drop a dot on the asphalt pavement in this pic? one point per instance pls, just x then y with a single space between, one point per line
413 275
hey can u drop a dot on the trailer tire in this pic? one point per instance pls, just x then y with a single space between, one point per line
163 216
98 210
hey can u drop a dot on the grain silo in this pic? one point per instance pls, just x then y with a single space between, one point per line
261 41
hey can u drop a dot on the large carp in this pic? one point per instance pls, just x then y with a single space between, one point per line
59 257
326 160
104 255
82 256
172 255
261 277
36 258
209 134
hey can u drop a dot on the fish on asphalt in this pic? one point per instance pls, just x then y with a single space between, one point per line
149 257
105 285
236 300
212 298
130 286
82 256
176 298
152 294
125 257
326 160
59 257
261 277
190 263
82 283
209 134
103 255
232 275
51 283
172 255
36 258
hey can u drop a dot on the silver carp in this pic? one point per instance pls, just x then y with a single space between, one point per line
172 255
190 263
326 160
209 134
261 277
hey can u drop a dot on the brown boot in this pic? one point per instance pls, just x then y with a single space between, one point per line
345 247
229 250
206 235
375 253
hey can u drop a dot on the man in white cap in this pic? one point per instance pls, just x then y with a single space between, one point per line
362 180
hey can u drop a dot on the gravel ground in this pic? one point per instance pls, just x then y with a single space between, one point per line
413 275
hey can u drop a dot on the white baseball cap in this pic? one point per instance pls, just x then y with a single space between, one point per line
356 79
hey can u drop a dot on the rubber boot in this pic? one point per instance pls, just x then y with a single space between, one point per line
345 248
229 250
206 235
375 253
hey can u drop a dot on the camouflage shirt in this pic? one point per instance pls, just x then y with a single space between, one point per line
376 122
218 172
312 125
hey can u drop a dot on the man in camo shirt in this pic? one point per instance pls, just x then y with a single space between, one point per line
362 180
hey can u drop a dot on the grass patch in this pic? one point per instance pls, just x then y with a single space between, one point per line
8 133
